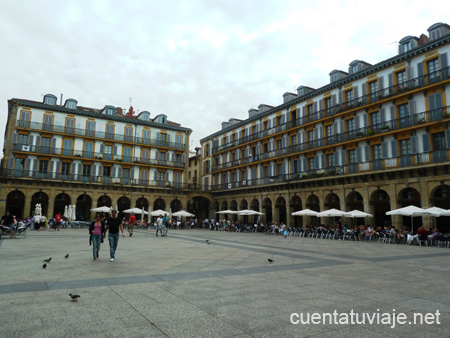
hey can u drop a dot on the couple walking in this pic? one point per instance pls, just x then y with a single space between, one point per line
98 230
162 225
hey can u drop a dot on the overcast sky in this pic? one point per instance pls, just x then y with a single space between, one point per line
200 62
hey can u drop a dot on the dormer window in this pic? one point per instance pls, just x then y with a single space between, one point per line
408 43
354 69
161 119
110 110
71 104
50 99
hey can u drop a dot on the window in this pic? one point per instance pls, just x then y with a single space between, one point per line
70 126
328 105
311 138
405 147
162 156
110 131
401 79
375 120
146 137
279 144
89 149
373 90
45 145
128 134
163 138
106 171
329 133
351 127
178 158
330 160
125 176
294 140
349 96
435 106
403 113
43 168
71 105
19 166
127 154
179 141
22 139
110 111
312 163
25 119
90 128
377 152
354 69
160 176
352 156
309 110
438 140
51 100
86 170
48 122
67 147
65 170
433 70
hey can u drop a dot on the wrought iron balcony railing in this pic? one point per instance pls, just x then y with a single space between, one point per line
80 154
415 120
50 128
359 102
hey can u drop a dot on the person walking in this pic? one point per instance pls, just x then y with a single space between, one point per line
97 231
165 224
113 225
58 219
131 223
159 223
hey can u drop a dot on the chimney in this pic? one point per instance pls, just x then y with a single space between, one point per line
423 39
130 111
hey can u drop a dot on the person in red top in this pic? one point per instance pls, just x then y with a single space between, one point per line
58 219
423 233
131 223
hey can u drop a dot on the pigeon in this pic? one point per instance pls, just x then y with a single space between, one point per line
207 241
74 297
47 260
44 266
270 260
66 256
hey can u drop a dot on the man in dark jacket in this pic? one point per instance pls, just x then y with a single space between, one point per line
113 225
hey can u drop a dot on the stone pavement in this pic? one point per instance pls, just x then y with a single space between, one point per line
179 286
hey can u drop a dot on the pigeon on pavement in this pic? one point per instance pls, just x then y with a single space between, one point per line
74 297
66 256
47 260
270 260
44 266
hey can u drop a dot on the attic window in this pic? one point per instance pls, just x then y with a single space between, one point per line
355 68
50 99
436 34
71 104
334 77
109 111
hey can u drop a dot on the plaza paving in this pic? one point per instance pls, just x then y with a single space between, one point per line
179 286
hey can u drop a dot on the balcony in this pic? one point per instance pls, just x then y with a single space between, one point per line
96 134
33 174
411 121
403 162
358 102
79 154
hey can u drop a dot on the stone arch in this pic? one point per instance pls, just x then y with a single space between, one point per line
243 205
42 198
175 205
332 201
123 203
159 203
380 203
296 205
267 209
200 207
216 206
83 207
224 205
409 196
280 204
354 201
15 203
142 202
104 201
61 201
254 204
313 203
440 197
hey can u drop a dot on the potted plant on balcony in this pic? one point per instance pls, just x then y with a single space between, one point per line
370 132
